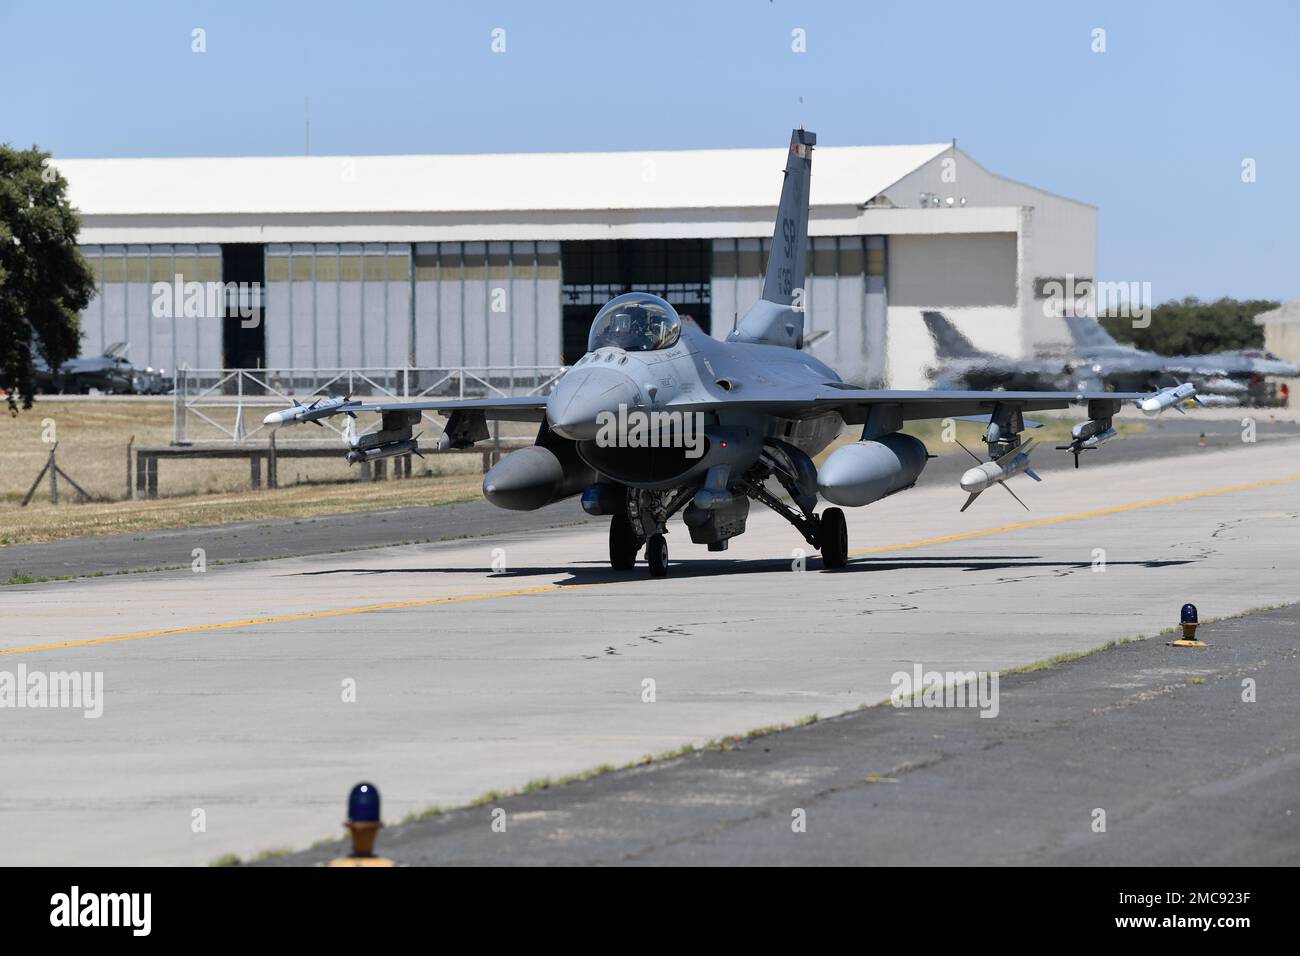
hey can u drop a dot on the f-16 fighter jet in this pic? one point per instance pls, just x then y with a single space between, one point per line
658 418
1124 366
959 364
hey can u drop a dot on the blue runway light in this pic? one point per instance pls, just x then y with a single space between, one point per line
1188 619
363 804
363 824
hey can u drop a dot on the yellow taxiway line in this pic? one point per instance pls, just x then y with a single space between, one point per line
1100 512
542 589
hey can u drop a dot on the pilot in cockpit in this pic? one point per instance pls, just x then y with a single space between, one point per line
635 322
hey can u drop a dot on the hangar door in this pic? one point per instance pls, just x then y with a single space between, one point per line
963 271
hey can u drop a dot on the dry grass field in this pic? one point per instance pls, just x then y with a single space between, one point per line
94 435
40 522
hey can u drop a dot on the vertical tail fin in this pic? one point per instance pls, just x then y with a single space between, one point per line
777 318
785 266
949 343
1087 332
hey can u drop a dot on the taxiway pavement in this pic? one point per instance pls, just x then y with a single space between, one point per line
227 693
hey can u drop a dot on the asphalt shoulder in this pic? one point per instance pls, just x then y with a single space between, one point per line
1136 754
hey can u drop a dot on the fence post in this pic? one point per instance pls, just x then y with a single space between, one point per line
272 477
54 475
180 386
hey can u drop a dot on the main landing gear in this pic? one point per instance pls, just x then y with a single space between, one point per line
827 532
623 544
833 538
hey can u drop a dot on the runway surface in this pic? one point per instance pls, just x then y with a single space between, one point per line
224 691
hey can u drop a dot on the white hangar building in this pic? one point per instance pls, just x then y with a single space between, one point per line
492 261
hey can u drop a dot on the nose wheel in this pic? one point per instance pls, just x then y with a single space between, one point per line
833 538
656 554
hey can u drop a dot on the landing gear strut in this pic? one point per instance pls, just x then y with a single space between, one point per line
828 532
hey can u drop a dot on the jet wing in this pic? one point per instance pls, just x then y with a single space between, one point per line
854 404
527 408
912 405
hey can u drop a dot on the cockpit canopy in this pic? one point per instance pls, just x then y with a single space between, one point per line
635 322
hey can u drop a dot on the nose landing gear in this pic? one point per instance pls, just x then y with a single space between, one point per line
656 554
643 522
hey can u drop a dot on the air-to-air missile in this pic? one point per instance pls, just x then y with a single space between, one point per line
1093 433
321 408
977 480
408 447
1167 398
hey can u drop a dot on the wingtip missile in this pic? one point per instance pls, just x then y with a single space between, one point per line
321 408
1171 397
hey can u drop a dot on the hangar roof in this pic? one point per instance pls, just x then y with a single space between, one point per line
684 179
1288 312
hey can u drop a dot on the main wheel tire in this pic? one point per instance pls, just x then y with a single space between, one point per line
833 539
656 553
623 544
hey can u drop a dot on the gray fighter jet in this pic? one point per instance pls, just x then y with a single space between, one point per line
659 418
1123 366
959 364
1097 362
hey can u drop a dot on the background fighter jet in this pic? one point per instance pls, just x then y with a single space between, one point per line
659 418
961 365
1107 363
111 373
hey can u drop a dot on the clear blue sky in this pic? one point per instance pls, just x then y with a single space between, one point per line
1153 131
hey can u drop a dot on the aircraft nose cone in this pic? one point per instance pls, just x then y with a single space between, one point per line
582 395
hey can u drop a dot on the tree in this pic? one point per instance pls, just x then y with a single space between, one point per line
44 281
1193 327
